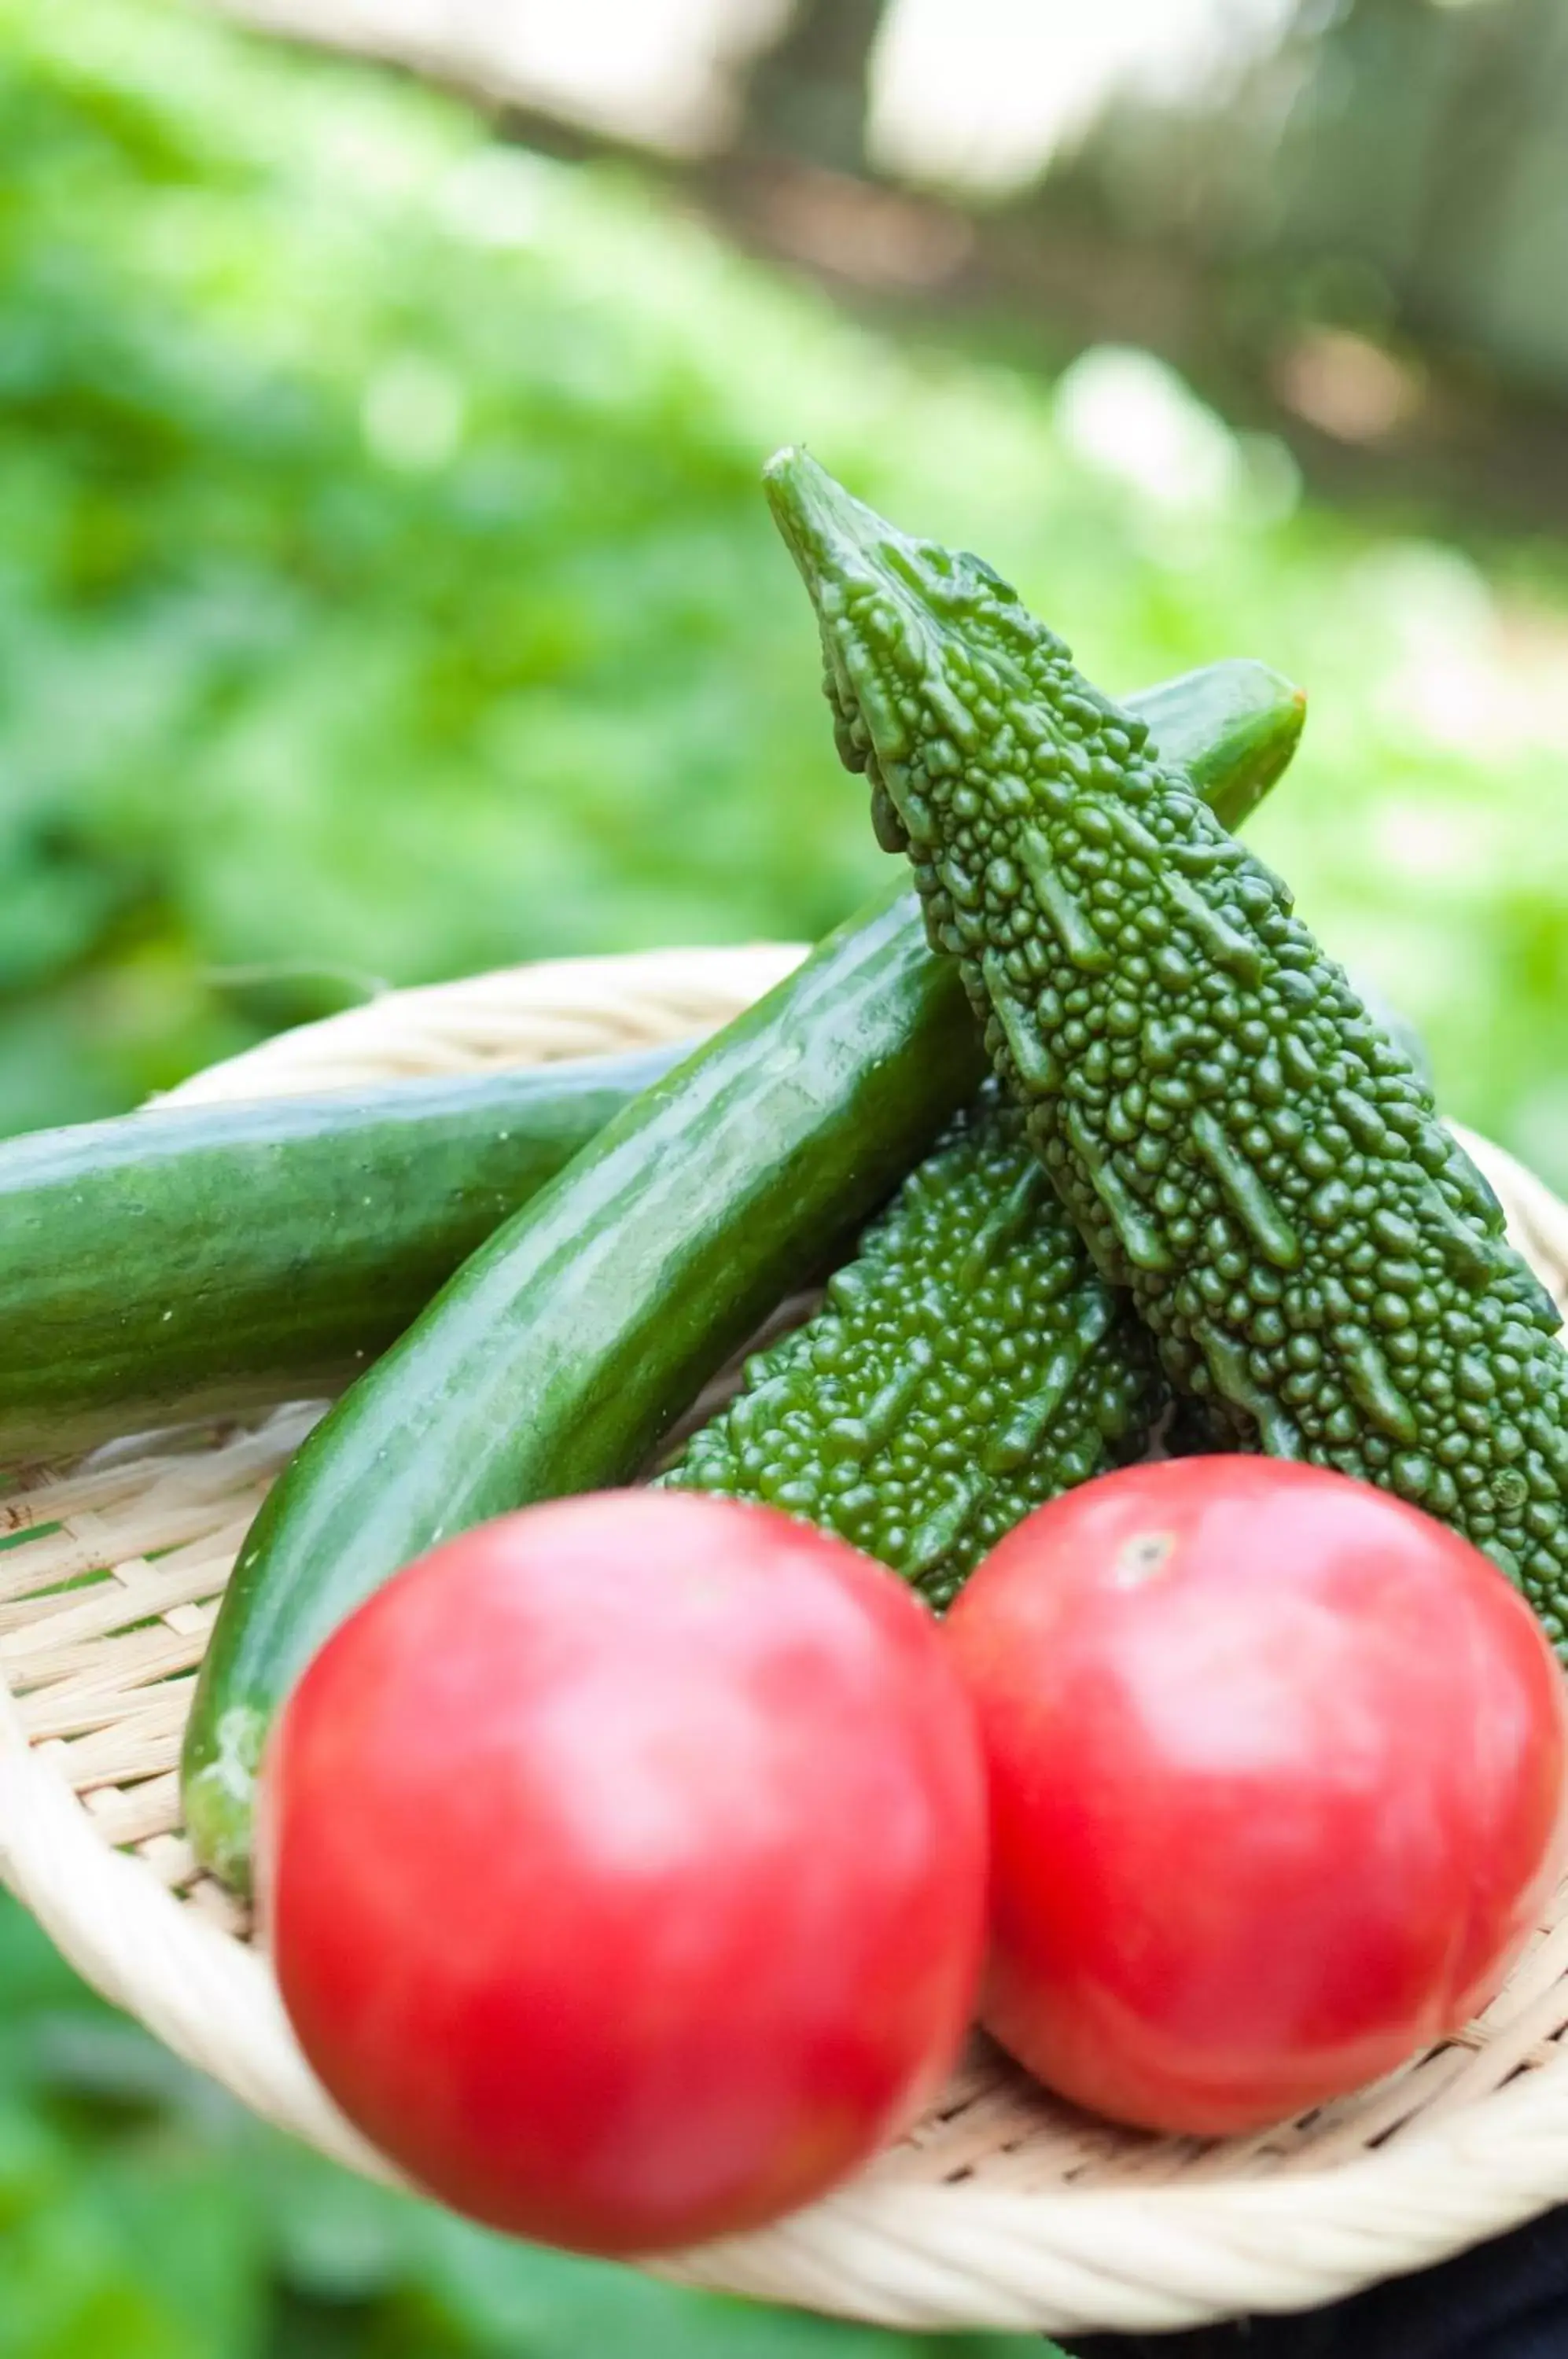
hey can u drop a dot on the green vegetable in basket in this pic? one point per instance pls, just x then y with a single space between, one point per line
560 1351
173 1264
556 1357
225 1256
967 1365
1235 1138
971 1362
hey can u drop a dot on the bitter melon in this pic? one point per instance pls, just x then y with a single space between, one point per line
971 1362
1235 1138
967 1365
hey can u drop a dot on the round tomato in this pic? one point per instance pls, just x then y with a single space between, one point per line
1277 1785
624 1867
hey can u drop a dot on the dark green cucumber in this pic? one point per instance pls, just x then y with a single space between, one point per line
559 1354
188 1260
1236 1138
967 1365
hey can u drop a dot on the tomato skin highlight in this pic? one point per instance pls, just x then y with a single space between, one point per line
1277 1770
625 1867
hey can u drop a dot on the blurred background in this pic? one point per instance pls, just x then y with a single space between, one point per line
386 593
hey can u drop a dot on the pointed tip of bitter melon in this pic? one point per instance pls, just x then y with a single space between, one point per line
921 643
826 529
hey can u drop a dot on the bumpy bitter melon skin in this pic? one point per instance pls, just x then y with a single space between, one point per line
1235 1138
971 1362
968 1365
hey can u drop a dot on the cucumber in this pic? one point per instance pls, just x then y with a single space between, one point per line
1231 726
561 1353
178 1263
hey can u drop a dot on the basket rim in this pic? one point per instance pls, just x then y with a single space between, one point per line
954 2255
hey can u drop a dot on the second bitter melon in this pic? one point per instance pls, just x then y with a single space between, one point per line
968 1363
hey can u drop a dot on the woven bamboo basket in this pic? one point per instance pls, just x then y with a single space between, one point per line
1001 2207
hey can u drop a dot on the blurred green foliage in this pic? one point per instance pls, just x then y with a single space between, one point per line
143 2216
384 590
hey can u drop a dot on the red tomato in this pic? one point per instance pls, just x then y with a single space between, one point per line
1276 1774
625 1867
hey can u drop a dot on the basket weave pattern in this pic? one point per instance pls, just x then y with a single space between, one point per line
1001 2207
